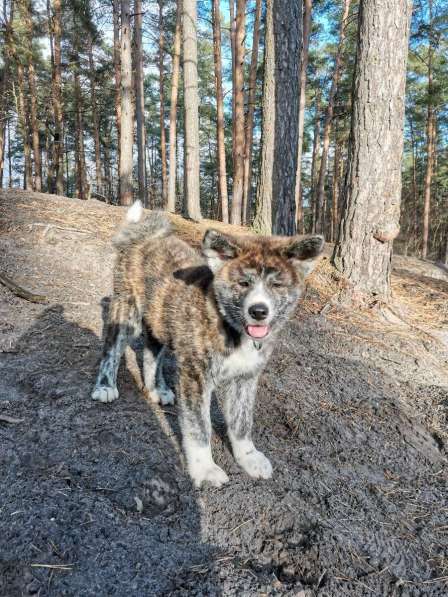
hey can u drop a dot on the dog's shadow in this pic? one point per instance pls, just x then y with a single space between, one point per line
114 474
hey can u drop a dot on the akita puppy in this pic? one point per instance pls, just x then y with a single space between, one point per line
219 311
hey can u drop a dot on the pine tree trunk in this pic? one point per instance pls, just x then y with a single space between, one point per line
140 104
58 165
162 105
320 224
232 51
335 190
287 35
430 142
171 202
23 117
250 115
238 157
117 70
95 121
221 150
81 183
314 161
25 14
263 207
127 120
191 100
372 189
307 7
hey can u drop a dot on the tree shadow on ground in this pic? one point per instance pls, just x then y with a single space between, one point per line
96 500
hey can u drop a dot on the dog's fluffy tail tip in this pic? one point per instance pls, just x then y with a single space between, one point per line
135 212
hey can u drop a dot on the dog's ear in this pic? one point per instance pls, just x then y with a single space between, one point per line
304 252
218 247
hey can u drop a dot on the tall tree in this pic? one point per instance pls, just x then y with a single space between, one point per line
56 97
191 101
329 119
371 194
250 114
95 118
287 36
140 102
307 7
171 201
220 124
116 7
263 207
239 138
162 104
25 14
430 135
127 119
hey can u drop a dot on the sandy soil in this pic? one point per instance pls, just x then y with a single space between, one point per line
95 499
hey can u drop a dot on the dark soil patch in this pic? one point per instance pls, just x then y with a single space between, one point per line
95 499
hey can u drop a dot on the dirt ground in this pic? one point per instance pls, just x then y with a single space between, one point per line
94 499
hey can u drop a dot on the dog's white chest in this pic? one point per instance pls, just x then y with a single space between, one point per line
245 360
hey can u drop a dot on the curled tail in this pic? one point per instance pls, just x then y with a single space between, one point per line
138 227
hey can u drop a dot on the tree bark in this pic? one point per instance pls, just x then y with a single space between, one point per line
287 36
430 141
140 104
314 160
335 190
95 120
81 182
250 115
307 7
232 51
221 150
320 224
372 189
238 156
263 208
162 105
171 201
127 120
117 71
56 96
191 101
25 13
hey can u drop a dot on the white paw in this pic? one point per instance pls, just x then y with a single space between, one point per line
211 473
166 396
256 465
105 394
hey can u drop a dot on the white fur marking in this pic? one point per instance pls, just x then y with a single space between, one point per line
135 212
242 361
250 459
201 467
105 394
258 294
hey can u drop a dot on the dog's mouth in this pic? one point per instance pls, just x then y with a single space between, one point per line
257 331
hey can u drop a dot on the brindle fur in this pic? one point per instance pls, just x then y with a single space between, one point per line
195 305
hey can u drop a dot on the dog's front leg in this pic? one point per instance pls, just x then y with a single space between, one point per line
238 409
195 421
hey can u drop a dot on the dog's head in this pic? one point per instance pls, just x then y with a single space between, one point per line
258 280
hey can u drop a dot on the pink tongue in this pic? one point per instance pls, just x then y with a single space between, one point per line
257 331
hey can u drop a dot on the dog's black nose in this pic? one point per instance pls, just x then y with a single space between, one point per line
259 311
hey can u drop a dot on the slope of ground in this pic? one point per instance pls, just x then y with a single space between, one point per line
352 410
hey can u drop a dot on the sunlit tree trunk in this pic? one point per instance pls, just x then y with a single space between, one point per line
250 115
238 157
171 201
117 70
95 120
307 6
127 120
56 97
140 103
372 189
221 150
314 161
191 100
162 105
320 224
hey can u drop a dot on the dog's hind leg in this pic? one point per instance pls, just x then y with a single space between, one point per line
124 323
155 383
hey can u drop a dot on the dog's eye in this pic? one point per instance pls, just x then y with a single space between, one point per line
244 283
278 283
